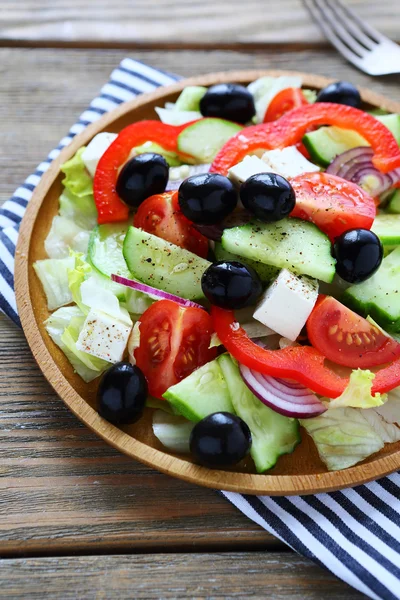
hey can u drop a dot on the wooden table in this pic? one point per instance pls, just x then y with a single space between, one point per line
77 519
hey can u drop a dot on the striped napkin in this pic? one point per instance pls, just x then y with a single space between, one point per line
355 533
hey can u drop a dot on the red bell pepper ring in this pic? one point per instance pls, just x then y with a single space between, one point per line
290 129
301 363
109 206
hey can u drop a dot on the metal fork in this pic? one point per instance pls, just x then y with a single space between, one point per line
360 43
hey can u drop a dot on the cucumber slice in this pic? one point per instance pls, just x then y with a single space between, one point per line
265 272
387 228
272 434
327 142
292 244
393 206
190 98
379 296
205 138
105 249
202 393
171 158
163 265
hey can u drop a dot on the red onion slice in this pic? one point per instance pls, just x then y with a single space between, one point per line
356 165
281 400
154 292
173 184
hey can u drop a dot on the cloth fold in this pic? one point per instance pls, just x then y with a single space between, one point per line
355 533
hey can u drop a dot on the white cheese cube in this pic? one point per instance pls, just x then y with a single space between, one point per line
250 165
288 162
103 336
287 303
95 150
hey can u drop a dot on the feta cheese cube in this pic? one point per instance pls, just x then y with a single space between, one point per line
288 162
95 150
103 336
250 165
287 303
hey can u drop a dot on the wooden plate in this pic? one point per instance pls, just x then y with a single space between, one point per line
299 473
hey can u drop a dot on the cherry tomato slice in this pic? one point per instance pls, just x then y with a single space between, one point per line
347 339
174 341
283 102
332 203
161 216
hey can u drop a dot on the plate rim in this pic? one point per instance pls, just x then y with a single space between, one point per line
166 463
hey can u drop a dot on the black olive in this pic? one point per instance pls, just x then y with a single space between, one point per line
228 101
231 284
359 253
340 92
141 177
122 393
220 440
269 196
207 199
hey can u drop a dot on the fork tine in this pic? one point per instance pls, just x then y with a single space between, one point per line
371 32
337 8
339 28
335 40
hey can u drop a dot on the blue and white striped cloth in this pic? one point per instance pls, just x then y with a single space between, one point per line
354 533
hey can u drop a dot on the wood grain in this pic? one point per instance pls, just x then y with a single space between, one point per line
232 575
63 490
181 22
300 473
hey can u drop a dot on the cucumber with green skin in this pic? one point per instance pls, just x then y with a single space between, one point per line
265 272
272 434
393 206
327 142
387 228
204 392
205 138
163 265
290 243
379 296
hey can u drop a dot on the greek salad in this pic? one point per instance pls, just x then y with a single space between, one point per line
234 264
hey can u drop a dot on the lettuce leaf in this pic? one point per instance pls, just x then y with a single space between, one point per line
343 437
56 325
77 200
65 235
76 276
358 392
53 274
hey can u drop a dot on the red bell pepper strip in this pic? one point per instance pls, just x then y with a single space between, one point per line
290 129
109 206
301 363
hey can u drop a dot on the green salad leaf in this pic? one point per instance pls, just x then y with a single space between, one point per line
77 200
358 392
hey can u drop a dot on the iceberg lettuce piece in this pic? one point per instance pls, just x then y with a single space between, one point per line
96 297
343 437
172 431
56 324
388 432
77 200
177 117
53 274
65 235
358 392
390 411
76 276
265 88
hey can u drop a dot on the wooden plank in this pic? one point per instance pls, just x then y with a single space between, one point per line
44 90
182 22
257 575
63 490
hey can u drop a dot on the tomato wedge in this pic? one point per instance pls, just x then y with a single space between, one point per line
346 338
283 102
290 129
174 341
161 216
110 207
332 203
301 363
